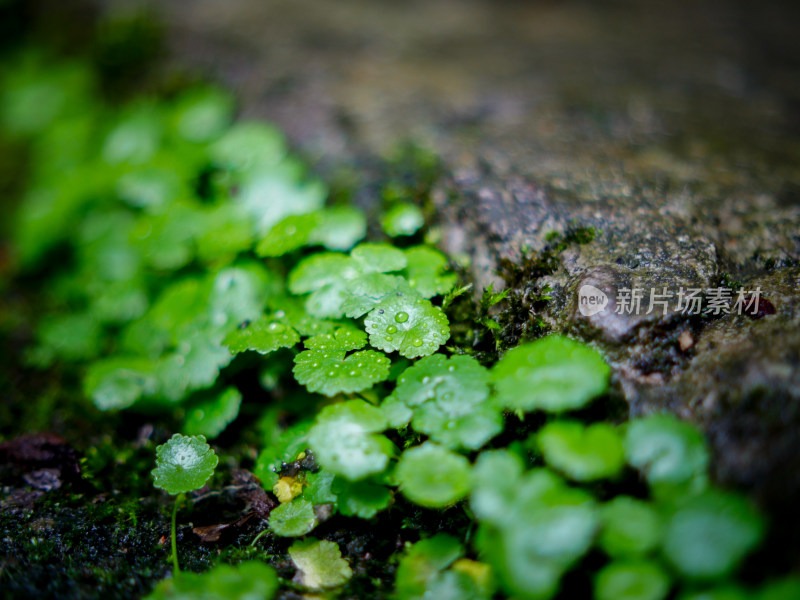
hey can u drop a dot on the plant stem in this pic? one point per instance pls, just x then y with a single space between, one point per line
175 566
258 537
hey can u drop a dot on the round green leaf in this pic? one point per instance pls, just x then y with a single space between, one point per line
552 374
631 580
120 381
344 441
666 449
250 580
340 227
360 498
209 417
425 272
330 373
378 258
263 335
432 476
402 219
202 115
293 519
319 270
248 145
582 453
320 564
184 464
449 400
709 534
342 338
630 527
410 325
290 234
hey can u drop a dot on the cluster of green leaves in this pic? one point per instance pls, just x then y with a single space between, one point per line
188 238
196 249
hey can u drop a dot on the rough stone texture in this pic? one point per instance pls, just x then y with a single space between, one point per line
671 127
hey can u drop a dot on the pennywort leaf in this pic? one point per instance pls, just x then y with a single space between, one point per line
552 374
345 441
432 476
582 453
184 464
319 564
293 519
211 415
666 449
248 580
410 325
331 373
264 335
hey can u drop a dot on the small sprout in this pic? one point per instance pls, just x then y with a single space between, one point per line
293 519
183 464
345 441
264 335
402 219
329 372
319 564
631 580
210 416
250 580
708 534
412 326
582 453
432 476
552 374
666 449
631 527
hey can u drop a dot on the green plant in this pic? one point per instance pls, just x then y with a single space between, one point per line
249 580
183 464
320 564
210 274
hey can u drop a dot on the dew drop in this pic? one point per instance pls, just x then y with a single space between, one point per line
315 365
352 373
426 379
451 368
359 365
417 343
331 373
389 338
401 317
391 329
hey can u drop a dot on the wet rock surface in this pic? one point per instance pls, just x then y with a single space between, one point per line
671 128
